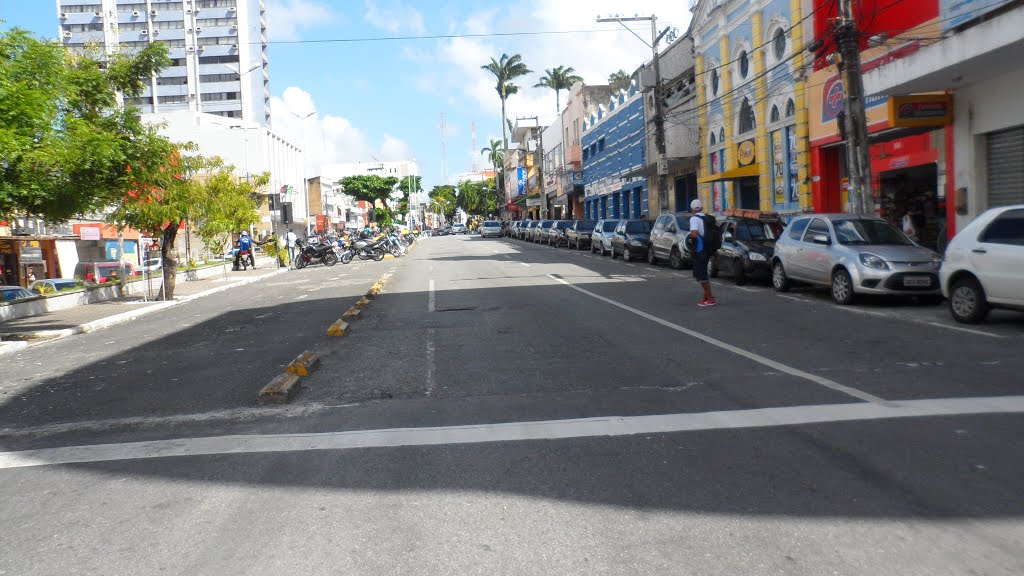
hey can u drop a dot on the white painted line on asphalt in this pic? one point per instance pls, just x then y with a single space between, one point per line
863 312
962 329
300 297
524 264
514 431
628 264
734 349
794 298
431 299
430 362
745 289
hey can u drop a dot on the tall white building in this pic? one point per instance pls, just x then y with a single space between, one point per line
218 50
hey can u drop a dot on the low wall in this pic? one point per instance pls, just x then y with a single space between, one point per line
92 294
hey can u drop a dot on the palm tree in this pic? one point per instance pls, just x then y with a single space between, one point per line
558 79
495 154
505 70
619 79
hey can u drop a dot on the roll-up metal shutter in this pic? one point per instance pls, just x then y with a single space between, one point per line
1005 167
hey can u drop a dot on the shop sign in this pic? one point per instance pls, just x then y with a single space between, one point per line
921 110
31 253
745 152
520 181
955 13
779 167
89 233
7 247
533 201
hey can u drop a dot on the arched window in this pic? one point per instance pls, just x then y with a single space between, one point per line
712 138
790 108
744 64
714 82
775 114
779 44
721 135
747 120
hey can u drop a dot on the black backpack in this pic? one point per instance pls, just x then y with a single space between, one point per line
712 234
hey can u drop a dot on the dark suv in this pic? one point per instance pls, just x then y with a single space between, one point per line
667 240
748 245
631 238
578 236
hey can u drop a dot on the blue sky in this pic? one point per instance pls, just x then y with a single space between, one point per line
385 98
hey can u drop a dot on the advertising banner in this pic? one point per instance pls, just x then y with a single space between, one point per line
955 13
779 168
520 181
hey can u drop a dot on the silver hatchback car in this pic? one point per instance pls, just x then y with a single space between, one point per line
853 255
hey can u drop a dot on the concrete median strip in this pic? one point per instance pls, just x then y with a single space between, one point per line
352 312
304 365
281 389
362 303
338 328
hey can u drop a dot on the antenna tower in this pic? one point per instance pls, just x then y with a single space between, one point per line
444 153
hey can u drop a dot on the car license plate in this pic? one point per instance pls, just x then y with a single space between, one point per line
917 281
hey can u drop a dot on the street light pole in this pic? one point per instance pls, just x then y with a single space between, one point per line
305 175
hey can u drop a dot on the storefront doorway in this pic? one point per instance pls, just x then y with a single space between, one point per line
913 192
748 193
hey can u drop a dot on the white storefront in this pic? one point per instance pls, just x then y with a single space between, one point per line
982 63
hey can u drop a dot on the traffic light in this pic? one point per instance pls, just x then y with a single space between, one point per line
286 212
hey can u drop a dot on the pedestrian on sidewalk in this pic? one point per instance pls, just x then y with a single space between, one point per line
290 239
701 252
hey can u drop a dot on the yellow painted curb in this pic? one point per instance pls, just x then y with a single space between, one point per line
389 257
338 328
304 364
352 312
280 390
362 302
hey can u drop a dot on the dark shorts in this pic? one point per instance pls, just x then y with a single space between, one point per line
700 266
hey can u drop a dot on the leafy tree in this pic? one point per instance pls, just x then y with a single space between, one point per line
558 79
408 186
66 146
373 189
444 200
619 79
478 198
505 71
231 205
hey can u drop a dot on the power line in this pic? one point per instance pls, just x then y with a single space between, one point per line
438 36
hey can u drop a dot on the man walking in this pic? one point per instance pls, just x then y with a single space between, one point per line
701 252
290 239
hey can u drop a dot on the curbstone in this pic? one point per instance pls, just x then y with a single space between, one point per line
304 364
362 302
281 390
352 312
338 328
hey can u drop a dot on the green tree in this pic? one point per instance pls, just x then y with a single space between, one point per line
558 79
477 198
408 186
619 79
505 71
231 205
373 189
444 200
495 154
66 146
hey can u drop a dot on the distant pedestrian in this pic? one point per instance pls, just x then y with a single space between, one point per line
31 275
701 252
290 239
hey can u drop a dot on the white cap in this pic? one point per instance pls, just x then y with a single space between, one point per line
696 205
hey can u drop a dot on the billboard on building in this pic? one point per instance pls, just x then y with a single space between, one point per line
956 13
520 181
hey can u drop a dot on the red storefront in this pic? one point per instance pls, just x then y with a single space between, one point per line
909 155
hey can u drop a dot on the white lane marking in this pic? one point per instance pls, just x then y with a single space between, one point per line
628 264
863 312
302 296
734 349
262 316
744 288
514 431
794 298
962 329
524 263
431 299
430 362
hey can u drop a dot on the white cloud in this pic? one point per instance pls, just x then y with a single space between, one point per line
286 18
395 17
327 139
594 55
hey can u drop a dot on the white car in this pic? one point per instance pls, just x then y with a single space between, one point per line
458 228
490 228
984 265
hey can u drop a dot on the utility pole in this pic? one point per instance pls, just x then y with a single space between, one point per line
659 119
858 147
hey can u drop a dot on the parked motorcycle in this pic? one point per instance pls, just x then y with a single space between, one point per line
321 252
344 251
369 250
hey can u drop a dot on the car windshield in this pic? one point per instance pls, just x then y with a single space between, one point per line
584 225
868 231
757 230
641 227
565 224
609 225
490 224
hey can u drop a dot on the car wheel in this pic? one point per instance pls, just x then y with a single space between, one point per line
651 258
593 249
738 274
967 302
675 259
627 255
842 287
780 282
614 255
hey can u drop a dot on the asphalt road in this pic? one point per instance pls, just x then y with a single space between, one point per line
507 408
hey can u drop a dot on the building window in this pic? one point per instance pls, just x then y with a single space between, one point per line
215 3
81 8
775 117
779 44
138 7
586 154
713 142
166 6
593 149
714 81
172 81
747 120
600 145
790 109
744 64
721 135
219 96
212 22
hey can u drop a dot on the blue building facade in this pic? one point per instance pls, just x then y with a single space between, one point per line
613 159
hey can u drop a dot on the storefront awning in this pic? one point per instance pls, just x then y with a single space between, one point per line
734 174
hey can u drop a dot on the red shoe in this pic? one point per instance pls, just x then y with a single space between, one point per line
707 302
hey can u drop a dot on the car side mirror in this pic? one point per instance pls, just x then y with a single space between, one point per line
821 239
727 236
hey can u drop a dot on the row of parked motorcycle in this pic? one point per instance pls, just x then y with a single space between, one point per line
331 249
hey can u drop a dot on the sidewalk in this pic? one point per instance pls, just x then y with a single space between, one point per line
17 333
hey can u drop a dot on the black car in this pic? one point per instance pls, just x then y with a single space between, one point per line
578 236
631 238
748 245
556 236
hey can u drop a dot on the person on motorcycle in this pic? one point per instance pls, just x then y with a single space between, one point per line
244 247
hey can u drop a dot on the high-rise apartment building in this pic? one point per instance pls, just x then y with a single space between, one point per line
218 50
